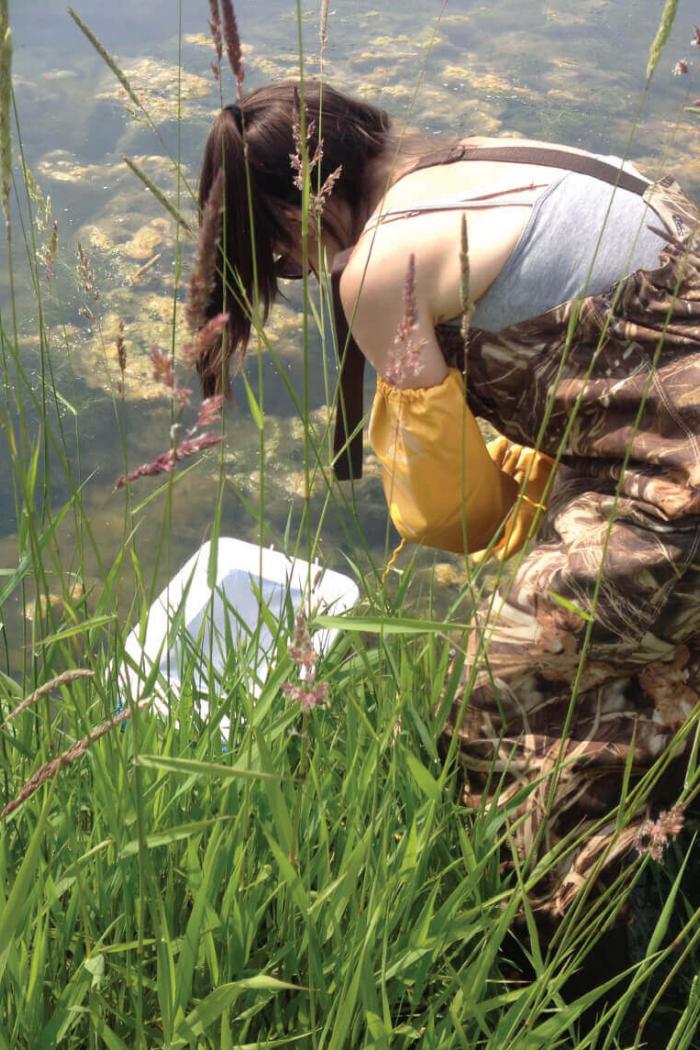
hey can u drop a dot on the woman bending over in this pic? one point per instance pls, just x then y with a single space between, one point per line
583 344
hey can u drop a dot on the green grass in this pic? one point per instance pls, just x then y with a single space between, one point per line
316 881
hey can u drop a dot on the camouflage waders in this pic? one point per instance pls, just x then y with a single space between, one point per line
614 379
620 543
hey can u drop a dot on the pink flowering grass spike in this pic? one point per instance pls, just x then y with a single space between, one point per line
164 463
210 411
405 359
323 31
308 693
296 158
50 253
164 372
162 367
302 652
308 699
181 396
695 42
654 835
232 41
85 273
204 340
120 345
318 200
215 27
204 270
681 68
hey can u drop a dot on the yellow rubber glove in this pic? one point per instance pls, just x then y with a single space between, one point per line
441 484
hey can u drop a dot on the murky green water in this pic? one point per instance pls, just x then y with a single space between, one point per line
566 70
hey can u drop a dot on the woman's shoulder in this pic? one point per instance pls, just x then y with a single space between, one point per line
387 279
375 270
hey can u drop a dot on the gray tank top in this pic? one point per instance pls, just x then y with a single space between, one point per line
561 254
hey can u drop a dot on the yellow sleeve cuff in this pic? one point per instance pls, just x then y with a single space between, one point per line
444 488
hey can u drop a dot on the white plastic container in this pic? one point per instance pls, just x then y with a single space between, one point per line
256 594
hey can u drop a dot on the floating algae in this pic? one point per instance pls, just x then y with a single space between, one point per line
284 330
412 42
564 18
95 237
450 574
294 483
40 606
319 421
371 467
685 144
583 14
398 91
147 323
131 219
144 243
285 65
62 166
166 91
205 40
142 247
488 83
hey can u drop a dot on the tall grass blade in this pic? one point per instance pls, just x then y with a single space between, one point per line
211 1008
22 887
159 196
668 17
193 767
105 55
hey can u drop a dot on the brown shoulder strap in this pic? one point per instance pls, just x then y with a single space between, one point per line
542 155
559 158
347 443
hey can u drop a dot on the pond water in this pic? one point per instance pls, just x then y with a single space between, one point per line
565 70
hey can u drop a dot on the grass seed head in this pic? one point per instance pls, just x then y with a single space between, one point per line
404 360
232 41
5 109
204 271
86 275
65 759
205 339
215 27
654 835
55 683
668 17
323 31
50 253
164 463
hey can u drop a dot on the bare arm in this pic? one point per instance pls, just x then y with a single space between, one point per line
372 291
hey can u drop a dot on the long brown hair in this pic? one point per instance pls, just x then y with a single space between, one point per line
353 134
